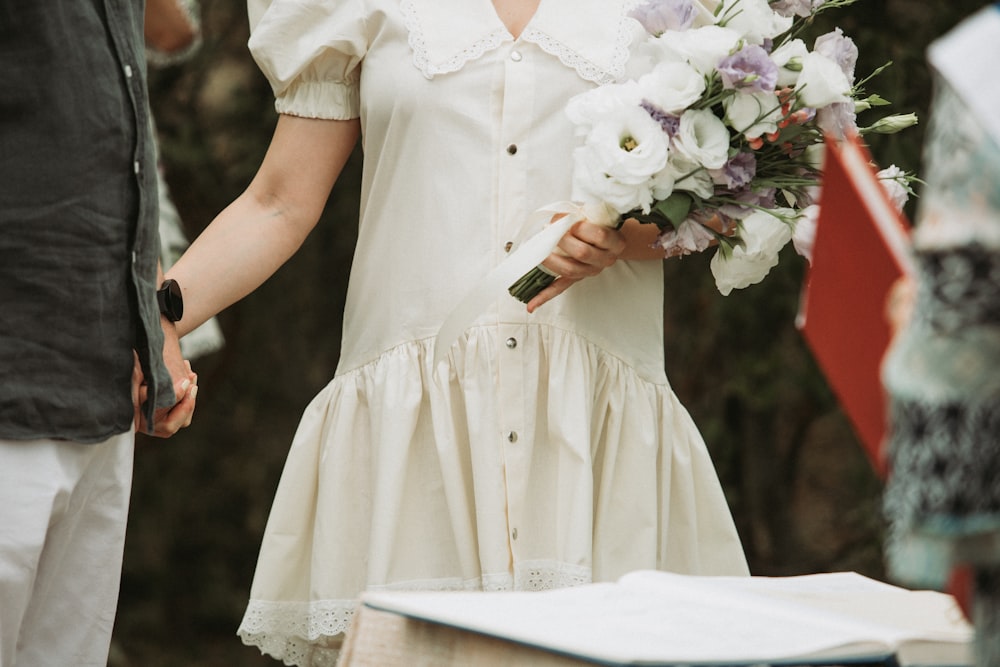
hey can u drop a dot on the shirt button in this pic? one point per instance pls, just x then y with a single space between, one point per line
512 436
135 166
515 56
512 149
507 246
513 534
128 71
512 343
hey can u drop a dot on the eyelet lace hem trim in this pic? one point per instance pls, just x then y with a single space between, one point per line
309 634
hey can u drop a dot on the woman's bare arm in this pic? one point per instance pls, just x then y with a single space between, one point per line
252 237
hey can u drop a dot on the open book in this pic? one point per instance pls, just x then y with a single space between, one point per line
861 249
664 619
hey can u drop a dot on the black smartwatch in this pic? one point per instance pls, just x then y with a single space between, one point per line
171 300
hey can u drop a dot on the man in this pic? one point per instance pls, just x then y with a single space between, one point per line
78 303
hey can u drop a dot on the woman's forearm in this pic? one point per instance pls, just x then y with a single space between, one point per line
264 226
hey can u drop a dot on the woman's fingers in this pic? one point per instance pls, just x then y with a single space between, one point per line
586 250
558 286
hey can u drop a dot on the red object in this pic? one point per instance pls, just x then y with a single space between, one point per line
961 586
860 251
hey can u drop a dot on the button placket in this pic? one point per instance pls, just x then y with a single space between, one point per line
515 436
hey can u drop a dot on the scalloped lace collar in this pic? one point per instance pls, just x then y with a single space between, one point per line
444 39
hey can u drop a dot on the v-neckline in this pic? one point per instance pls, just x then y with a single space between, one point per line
506 27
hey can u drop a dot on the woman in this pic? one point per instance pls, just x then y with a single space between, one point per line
548 449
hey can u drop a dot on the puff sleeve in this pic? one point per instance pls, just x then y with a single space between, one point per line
311 53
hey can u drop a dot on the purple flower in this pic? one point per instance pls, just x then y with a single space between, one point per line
689 237
737 172
838 119
840 49
658 16
749 70
803 8
669 122
747 201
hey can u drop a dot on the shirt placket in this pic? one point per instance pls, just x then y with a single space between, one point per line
516 438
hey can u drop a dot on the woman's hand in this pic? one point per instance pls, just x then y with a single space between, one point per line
584 251
168 420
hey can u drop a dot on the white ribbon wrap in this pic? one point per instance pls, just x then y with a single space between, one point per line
528 255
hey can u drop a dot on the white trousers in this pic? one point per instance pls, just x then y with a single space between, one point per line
63 510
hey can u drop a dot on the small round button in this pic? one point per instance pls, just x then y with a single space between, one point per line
513 534
511 343
512 436
512 149
507 246
515 56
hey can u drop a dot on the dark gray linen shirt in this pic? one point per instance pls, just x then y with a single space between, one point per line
78 233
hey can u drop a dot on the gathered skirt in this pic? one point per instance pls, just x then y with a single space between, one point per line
401 476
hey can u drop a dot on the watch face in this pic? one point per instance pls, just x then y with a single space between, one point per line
171 300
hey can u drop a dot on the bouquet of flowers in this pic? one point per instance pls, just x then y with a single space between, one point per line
716 136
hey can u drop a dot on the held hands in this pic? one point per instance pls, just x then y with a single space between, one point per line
584 251
167 421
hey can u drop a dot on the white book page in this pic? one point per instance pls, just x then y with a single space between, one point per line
654 618
844 603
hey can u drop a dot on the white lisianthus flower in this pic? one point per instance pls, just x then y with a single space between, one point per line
703 138
891 178
702 48
648 53
705 12
804 236
753 114
755 20
687 175
597 104
664 182
630 145
815 154
619 158
592 184
672 86
821 82
788 57
764 236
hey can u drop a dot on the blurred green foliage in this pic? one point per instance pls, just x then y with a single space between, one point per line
803 493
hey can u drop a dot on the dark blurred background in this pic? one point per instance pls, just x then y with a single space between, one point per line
803 493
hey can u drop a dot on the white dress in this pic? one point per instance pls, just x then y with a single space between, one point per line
550 449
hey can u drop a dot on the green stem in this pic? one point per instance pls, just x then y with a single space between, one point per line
531 283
